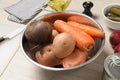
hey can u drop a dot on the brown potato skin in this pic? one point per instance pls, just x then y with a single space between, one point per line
54 34
45 56
63 45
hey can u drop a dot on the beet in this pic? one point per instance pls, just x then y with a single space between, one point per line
115 38
39 32
117 48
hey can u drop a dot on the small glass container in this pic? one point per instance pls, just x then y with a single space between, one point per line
59 5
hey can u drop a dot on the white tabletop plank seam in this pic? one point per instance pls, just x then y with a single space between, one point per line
9 62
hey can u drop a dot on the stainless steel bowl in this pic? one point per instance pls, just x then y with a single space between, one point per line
51 17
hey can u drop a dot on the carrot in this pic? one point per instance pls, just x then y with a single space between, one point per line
81 19
92 31
83 40
74 59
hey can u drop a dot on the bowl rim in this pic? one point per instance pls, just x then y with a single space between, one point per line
107 7
70 68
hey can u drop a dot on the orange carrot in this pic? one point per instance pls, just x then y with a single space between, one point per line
83 40
81 19
92 31
74 59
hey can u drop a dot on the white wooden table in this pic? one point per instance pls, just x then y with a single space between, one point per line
20 68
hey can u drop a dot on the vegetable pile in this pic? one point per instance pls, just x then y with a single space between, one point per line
63 42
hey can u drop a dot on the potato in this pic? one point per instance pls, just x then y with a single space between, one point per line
54 33
63 45
45 56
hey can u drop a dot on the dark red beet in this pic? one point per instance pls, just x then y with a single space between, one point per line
115 38
117 48
39 32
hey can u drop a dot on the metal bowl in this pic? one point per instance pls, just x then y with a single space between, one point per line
51 17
